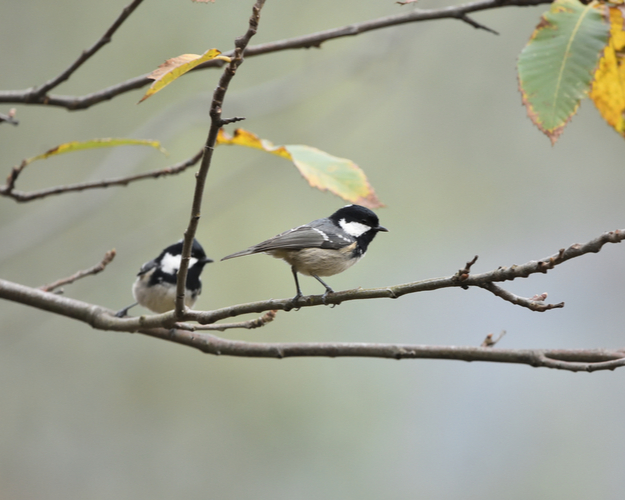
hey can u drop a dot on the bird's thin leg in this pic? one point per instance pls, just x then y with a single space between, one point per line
328 289
124 312
299 291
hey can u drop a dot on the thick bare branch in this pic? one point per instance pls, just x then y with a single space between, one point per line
36 298
477 280
588 360
302 42
22 196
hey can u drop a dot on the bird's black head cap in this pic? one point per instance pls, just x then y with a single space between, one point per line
357 213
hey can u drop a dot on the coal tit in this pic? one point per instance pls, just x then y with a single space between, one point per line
323 247
155 286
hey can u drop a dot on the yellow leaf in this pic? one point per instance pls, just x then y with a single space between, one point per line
244 138
176 67
321 170
69 147
608 89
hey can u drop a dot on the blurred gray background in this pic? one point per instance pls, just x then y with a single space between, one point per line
431 112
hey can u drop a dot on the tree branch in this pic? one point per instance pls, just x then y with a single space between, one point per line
483 281
216 123
588 360
575 360
9 118
475 24
22 196
38 93
101 318
167 326
302 42
108 257
268 317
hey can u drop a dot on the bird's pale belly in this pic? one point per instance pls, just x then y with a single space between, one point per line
159 298
318 261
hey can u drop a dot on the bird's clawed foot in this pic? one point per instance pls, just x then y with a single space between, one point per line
295 301
325 295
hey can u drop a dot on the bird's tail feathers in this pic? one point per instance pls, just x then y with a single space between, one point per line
249 251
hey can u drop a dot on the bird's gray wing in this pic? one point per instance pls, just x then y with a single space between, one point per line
147 266
306 236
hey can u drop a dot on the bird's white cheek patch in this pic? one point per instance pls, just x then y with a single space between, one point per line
354 229
171 263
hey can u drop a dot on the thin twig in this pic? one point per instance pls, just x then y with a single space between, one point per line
491 340
463 274
475 24
216 123
268 317
534 305
108 257
22 196
7 189
301 42
38 93
9 118
234 119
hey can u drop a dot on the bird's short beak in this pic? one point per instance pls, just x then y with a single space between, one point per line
381 228
206 260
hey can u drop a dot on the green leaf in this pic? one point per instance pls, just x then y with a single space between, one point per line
338 175
69 147
557 65
323 171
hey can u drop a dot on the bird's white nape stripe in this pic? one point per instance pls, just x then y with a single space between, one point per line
353 228
171 263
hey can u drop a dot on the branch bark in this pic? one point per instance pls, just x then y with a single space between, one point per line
98 268
459 12
175 325
22 196
38 94
588 360
216 123
575 360
169 326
